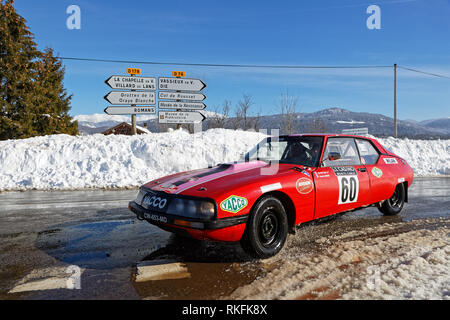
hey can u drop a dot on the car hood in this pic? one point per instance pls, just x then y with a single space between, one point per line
213 178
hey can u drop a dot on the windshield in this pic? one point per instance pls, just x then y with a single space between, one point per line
300 150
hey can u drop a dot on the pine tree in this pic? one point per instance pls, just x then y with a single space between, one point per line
33 100
52 102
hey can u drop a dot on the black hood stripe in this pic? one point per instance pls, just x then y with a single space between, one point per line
219 168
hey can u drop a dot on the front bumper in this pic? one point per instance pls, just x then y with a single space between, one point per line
163 219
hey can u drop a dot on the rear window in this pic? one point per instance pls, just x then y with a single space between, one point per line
368 153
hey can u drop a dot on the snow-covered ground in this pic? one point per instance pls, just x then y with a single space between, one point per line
389 261
97 161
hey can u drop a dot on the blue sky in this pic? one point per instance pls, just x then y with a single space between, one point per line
414 33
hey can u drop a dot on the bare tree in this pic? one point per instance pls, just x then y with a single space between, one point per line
257 120
316 125
243 108
288 106
214 119
224 114
220 116
236 120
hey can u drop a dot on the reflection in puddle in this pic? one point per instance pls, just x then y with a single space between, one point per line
100 245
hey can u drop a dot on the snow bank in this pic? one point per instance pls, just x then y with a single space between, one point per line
97 161
426 157
382 262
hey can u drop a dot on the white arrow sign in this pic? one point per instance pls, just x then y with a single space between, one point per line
127 97
131 83
180 117
130 110
181 96
180 84
181 105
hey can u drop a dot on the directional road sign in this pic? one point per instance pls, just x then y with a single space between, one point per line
181 105
180 117
181 96
130 110
131 83
180 84
128 97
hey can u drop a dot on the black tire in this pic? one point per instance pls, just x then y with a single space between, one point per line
266 230
394 204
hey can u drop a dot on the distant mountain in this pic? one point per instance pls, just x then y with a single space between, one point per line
99 122
331 120
441 125
334 120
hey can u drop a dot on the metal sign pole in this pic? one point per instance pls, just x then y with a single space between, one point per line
179 125
133 117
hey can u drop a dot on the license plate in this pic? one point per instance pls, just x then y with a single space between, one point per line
155 217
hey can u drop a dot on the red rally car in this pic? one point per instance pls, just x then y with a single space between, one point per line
282 182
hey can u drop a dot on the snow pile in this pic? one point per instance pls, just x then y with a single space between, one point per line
426 157
97 161
381 262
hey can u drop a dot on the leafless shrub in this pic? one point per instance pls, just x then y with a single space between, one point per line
288 107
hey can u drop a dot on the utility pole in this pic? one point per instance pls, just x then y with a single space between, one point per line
395 100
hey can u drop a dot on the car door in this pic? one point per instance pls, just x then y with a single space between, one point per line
341 181
379 170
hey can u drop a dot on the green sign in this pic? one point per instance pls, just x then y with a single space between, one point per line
377 172
233 204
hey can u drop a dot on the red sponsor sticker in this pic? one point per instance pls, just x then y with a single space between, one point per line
304 185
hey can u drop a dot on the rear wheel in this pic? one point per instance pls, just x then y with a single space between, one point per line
267 228
394 204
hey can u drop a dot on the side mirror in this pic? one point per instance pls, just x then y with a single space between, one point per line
334 156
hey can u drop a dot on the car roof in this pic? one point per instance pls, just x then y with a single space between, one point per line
327 135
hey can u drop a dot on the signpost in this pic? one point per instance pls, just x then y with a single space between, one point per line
131 83
180 84
125 97
183 95
130 110
356 131
179 117
181 105
187 97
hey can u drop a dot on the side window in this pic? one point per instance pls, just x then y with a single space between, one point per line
369 155
341 152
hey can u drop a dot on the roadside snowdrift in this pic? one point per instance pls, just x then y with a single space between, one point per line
389 261
97 161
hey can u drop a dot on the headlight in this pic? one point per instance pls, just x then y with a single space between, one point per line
196 209
140 197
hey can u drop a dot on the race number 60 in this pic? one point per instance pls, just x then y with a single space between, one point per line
348 189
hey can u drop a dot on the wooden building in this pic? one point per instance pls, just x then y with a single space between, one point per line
126 129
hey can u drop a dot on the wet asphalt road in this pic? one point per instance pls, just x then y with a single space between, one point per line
42 233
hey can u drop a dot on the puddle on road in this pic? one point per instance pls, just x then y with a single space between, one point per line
206 281
214 270
114 248
101 245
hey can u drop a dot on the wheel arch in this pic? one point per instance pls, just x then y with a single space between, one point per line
287 204
405 185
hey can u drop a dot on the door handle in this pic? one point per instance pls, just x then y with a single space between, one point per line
362 169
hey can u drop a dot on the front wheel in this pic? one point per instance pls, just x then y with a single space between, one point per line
267 228
394 204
